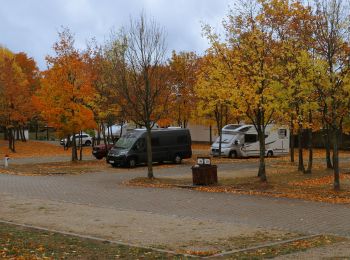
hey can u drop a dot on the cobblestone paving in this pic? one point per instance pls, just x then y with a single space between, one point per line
105 190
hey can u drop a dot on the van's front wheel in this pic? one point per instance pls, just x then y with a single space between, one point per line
233 154
177 159
131 162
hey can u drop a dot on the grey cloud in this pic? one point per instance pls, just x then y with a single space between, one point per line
32 25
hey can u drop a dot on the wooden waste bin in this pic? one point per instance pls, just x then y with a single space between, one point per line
204 174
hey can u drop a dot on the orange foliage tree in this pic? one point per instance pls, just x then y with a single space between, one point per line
66 94
17 73
183 69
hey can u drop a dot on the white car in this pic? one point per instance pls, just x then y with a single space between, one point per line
86 139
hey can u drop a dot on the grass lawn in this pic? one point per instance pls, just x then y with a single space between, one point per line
18 242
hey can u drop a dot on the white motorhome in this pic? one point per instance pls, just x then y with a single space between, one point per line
243 141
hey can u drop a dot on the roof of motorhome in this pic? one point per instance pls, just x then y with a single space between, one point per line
239 129
161 129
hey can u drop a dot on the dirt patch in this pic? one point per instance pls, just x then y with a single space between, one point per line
79 167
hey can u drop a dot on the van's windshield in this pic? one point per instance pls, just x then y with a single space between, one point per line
226 138
125 142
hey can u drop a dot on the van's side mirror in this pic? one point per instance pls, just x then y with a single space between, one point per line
236 142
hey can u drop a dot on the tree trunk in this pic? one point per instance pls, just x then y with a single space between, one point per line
149 153
220 129
336 184
47 133
36 130
301 167
74 149
262 166
121 130
11 139
104 139
210 135
81 145
23 136
328 148
100 129
6 136
309 164
291 139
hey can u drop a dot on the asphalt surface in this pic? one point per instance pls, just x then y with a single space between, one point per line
106 189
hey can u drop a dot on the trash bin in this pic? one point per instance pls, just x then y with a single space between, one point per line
204 173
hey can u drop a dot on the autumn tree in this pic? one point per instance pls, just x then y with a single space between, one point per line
106 106
292 26
214 91
183 69
15 93
332 34
141 81
251 62
65 96
32 75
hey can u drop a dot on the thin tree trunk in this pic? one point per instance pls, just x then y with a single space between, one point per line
336 184
99 133
309 165
291 139
220 128
328 148
121 130
81 145
36 130
74 149
47 133
23 134
149 153
262 165
301 167
6 136
210 135
11 139
104 138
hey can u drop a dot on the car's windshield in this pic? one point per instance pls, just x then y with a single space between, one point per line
126 142
226 138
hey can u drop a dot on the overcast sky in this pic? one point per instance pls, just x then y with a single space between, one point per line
32 25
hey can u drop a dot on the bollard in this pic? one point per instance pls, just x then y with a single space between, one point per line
6 160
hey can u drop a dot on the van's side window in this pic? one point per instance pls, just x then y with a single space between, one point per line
282 133
140 145
155 141
182 139
250 138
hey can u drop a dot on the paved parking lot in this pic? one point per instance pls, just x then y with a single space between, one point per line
105 189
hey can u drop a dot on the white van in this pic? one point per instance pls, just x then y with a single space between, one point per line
243 141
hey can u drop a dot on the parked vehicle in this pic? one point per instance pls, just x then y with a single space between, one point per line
86 139
167 145
243 142
116 130
101 150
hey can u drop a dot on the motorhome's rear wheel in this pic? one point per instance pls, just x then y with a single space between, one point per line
233 154
132 162
269 154
177 159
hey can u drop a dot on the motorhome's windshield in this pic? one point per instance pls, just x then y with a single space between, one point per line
126 142
226 138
